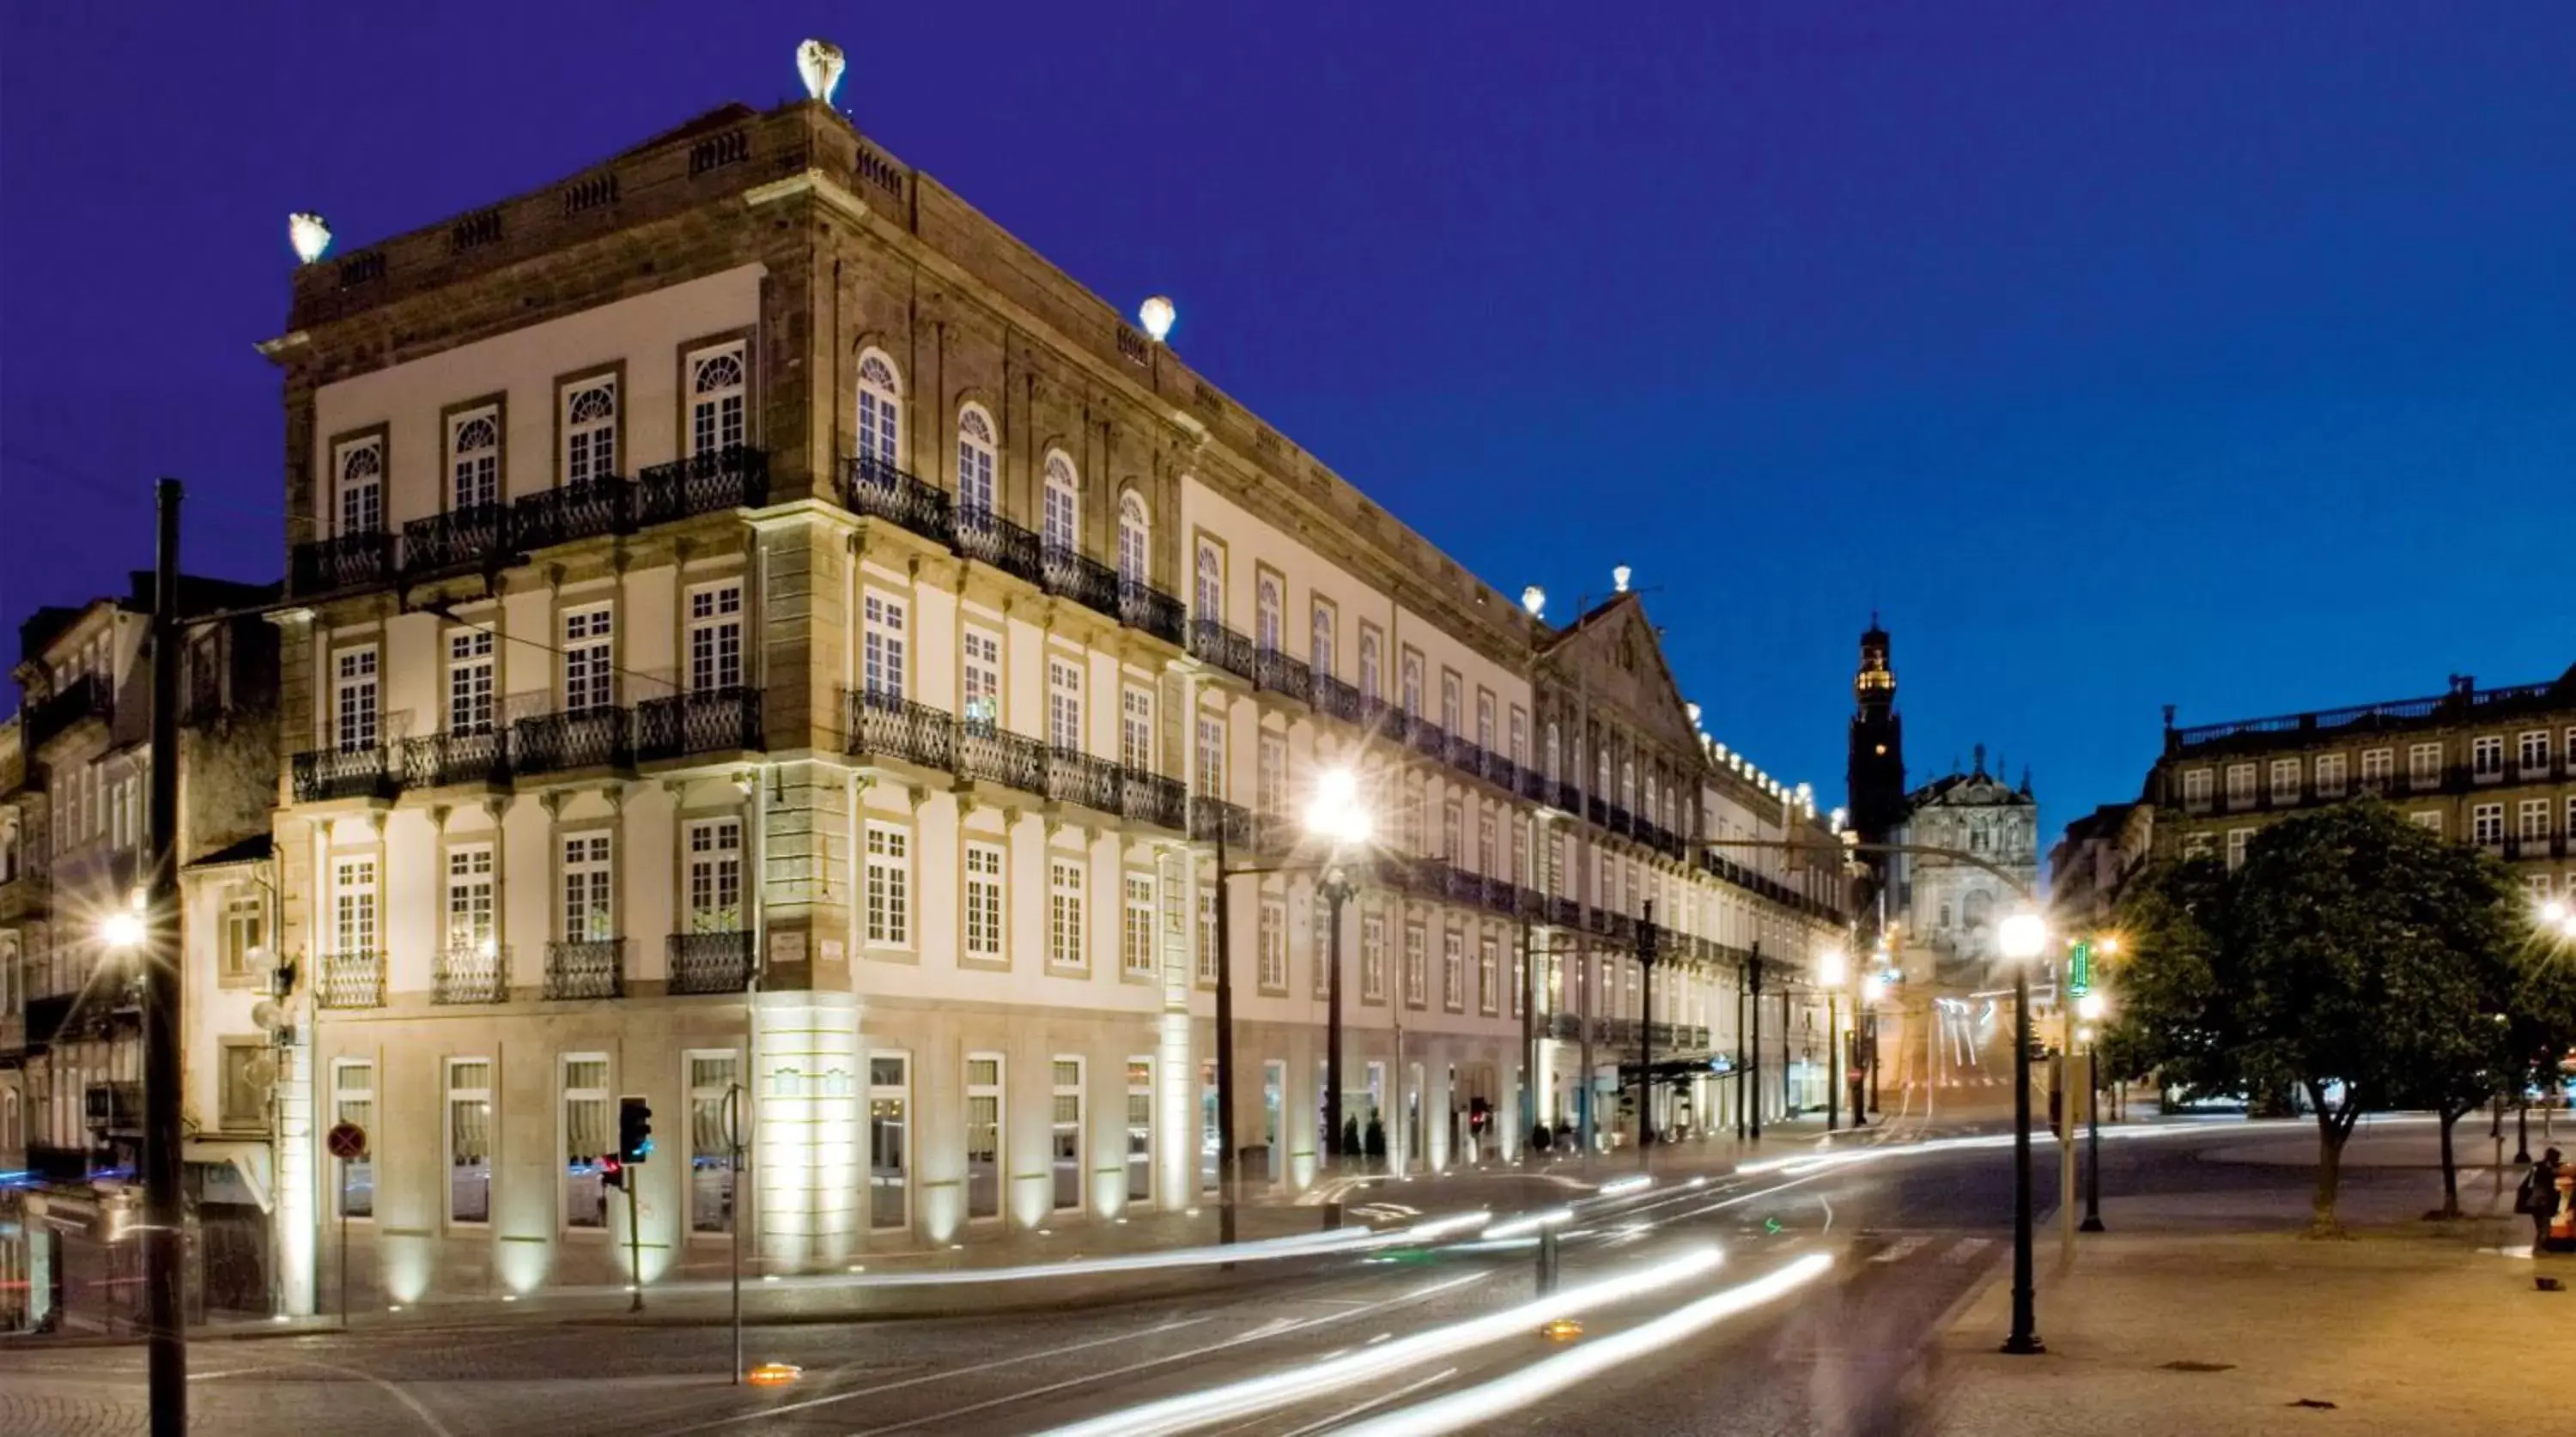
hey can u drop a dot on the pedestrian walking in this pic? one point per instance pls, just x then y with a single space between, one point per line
2538 1196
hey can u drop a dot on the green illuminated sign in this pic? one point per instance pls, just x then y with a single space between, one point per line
2079 970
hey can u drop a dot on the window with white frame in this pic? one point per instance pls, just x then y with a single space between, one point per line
2423 765
889 1141
2376 765
474 459
1409 684
589 889
889 885
2533 751
1373 958
1450 721
353 698
2285 780
1266 620
471 682
589 653
1136 933
713 1114
1064 705
353 1101
1520 737
2240 783
2531 819
1453 969
587 1140
983 1135
353 906
1520 850
719 390
1270 776
976 448
1136 729
979 679
1061 518
1519 981
1065 930
245 936
1453 832
1489 974
469 1140
1207 933
882 640
1319 639
1065 1135
1486 857
1140 1130
984 901
2486 824
1548 752
2194 845
1135 542
1416 965
880 411
590 429
1211 774
715 637
2330 775
715 875
2430 820
1484 721
360 465
1273 948
469 901
1208 591
2486 757
1371 674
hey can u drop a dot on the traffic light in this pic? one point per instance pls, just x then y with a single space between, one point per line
634 1130
612 1173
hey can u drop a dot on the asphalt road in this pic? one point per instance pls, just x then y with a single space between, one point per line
1867 1258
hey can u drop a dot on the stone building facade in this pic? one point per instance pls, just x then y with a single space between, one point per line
763 641
1952 906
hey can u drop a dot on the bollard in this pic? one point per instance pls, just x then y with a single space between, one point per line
1332 1216
1547 1259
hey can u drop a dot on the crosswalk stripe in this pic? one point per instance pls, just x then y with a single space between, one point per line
1966 1248
1900 1249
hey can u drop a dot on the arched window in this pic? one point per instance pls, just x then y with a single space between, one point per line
880 411
975 449
1972 912
1369 679
1652 813
1265 617
1061 520
1628 784
362 487
1601 772
716 393
1550 753
1210 597
474 459
1135 540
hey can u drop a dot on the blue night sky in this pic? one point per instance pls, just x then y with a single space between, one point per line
2220 355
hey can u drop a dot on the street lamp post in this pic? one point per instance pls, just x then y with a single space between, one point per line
1829 975
2022 936
1873 986
2090 1008
1336 815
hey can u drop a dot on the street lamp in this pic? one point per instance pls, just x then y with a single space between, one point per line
2021 937
1831 969
1873 987
122 930
1336 816
2091 1007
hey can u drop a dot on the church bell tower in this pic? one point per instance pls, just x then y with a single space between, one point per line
1875 772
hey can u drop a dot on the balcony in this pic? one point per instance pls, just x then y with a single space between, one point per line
322 775
114 1107
1336 699
734 477
1068 573
723 720
350 561
474 537
85 697
985 535
443 759
713 962
350 980
875 489
471 973
1075 777
1149 610
592 968
561 742
1213 820
1283 674
888 726
58 1166
1152 798
992 755
1424 737
573 511
1211 642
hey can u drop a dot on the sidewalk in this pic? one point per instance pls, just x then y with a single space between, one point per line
2208 1313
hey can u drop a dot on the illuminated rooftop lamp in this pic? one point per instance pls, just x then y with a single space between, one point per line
1619 579
820 63
1534 599
1157 314
309 234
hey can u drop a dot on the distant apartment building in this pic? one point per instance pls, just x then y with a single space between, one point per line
2493 767
762 640
74 845
2093 860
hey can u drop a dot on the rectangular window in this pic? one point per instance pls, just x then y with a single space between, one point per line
1485 855
1136 933
1065 1134
589 660
470 685
1207 933
589 890
983 1135
1489 970
2430 820
1274 946
1453 970
716 399
245 930
1136 729
1453 836
1211 756
715 637
980 679
2533 751
353 905
1373 958
2423 765
586 1139
1140 1130
353 698
2330 770
241 1093
984 901
1064 913
1270 777
715 875
881 664
2486 824
889 886
1416 962
890 1141
2376 765
2486 757
2285 780
1520 981
714 1112
353 1100
1064 705
469 901
590 429
2237 838
469 1140
2531 820
2240 783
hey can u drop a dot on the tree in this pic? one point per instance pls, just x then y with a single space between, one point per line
2350 958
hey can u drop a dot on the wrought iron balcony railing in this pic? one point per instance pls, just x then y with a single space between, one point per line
580 738
480 756
573 511
983 534
1212 642
712 962
1212 819
877 489
351 980
1282 673
891 727
1143 607
471 973
1073 776
347 561
468 538
1336 699
591 968
1152 798
734 477
994 755
884 726
723 720
330 773
86 696
1071 574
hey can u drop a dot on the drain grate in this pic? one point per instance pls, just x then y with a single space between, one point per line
2200 1366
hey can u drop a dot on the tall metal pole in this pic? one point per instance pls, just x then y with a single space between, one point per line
1833 1060
2025 1334
1739 1056
1583 1093
1753 1068
1646 1034
1336 889
1529 1039
2065 1095
1225 1157
733 1218
2092 1137
164 1238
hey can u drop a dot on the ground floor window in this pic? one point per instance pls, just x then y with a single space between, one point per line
714 1110
889 1141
